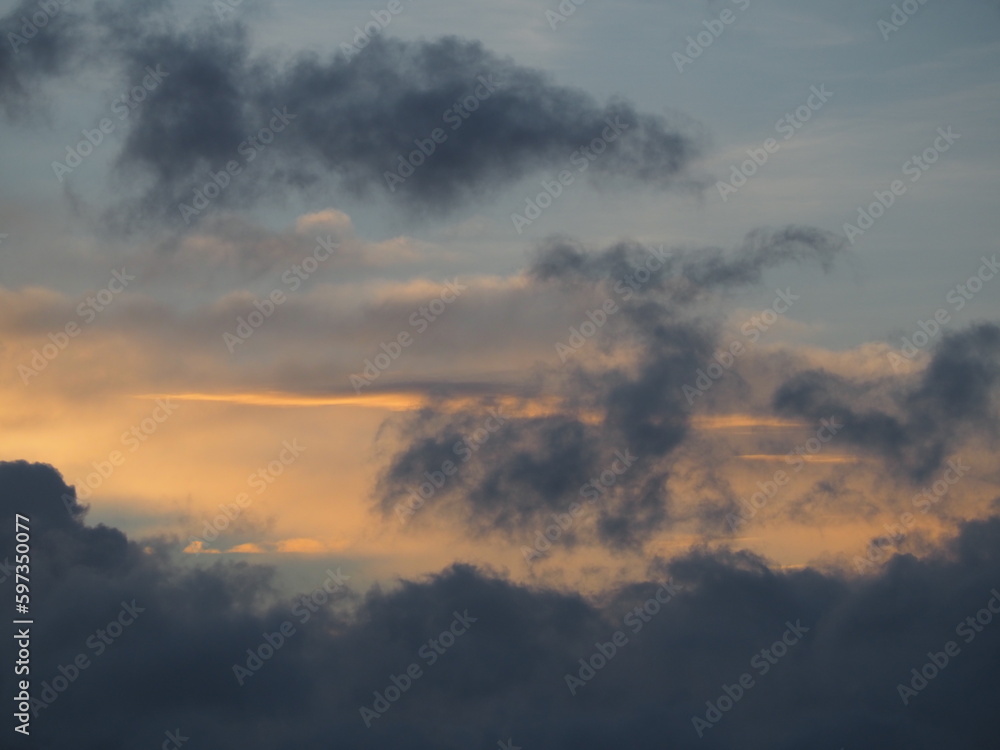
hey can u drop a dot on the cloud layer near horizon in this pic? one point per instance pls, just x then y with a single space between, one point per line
172 667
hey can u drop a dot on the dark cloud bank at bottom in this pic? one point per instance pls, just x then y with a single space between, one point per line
171 665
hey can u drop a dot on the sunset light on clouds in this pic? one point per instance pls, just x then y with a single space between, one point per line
522 375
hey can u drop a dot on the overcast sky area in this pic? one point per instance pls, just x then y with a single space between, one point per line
506 375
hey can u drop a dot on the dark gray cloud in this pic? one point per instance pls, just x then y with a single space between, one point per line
38 43
534 467
172 668
355 118
686 275
349 120
45 40
915 425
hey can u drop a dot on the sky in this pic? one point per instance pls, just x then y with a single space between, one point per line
532 374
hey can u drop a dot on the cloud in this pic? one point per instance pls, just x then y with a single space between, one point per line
631 374
172 666
39 43
312 123
913 425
